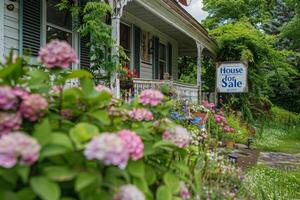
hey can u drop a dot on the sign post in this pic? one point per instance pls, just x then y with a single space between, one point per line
232 77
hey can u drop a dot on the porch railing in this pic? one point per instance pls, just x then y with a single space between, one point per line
183 91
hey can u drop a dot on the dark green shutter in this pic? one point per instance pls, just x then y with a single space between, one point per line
170 59
84 52
31 25
137 49
155 67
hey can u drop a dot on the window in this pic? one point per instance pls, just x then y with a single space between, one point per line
125 41
58 23
162 60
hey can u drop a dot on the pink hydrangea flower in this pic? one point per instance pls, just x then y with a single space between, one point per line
129 192
33 107
8 99
184 191
141 114
9 122
178 136
109 149
151 97
57 54
18 146
101 88
66 113
133 143
56 89
21 93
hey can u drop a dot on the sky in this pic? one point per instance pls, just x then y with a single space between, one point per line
195 9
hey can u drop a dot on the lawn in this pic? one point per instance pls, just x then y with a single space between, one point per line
279 138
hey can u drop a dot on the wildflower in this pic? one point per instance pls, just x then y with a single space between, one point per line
33 107
101 88
8 99
184 191
133 143
57 54
178 135
129 192
16 146
9 122
151 97
141 114
109 149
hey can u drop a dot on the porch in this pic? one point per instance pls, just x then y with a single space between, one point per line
182 91
159 32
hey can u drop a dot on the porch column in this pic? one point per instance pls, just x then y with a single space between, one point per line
200 48
117 12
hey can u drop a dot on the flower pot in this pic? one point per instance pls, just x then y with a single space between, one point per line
230 144
126 84
203 116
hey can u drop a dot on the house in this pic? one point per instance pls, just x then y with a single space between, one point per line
153 33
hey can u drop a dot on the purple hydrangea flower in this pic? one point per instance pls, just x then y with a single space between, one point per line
141 114
109 149
9 122
101 88
57 54
178 136
129 192
18 146
21 93
133 143
184 191
151 97
8 99
33 107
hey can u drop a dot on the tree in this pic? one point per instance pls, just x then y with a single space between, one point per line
221 12
271 72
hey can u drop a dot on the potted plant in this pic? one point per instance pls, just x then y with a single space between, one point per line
229 139
126 77
201 112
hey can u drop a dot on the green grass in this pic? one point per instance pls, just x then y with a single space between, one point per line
279 138
265 183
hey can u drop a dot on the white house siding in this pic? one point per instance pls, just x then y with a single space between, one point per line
11 27
146 69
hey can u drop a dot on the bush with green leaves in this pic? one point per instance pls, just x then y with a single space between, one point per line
64 141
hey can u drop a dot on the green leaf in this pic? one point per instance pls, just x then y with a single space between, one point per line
84 180
182 167
42 132
141 183
164 145
61 139
150 175
172 182
163 193
148 149
45 188
59 173
102 116
79 74
53 150
23 172
39 80
136 168
25 193
82 133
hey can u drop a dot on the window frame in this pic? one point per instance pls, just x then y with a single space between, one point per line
165 62
75 35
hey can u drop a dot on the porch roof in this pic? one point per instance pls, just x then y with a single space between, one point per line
170 18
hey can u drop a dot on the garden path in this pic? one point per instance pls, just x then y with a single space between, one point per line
280 160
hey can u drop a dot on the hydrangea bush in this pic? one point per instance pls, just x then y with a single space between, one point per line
62 142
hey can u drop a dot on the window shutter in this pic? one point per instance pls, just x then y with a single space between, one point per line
155 67
31 25
170 59
137 49
84 52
